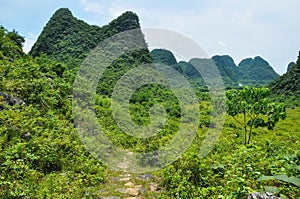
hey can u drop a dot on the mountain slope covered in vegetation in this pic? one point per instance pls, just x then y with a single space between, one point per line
227 69
39 146
69 40
250 71
255 71
287 86
43 156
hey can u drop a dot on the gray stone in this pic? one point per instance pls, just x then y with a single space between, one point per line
146 176
27 136
153 186
121 190
257 195
10 100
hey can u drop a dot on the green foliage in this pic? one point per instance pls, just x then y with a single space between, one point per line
276 179
255 71
227 69
287 87
41 155
166 57
250 71
10 45
119 67
284 178
41 82
231 170
257 111
163 56
290 66
16 38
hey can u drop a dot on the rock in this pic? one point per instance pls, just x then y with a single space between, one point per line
266 195
153 186
121 190
146 176
121 179
133 191
27 136
129 184
132 198
124 179
126 175
142 190
10 100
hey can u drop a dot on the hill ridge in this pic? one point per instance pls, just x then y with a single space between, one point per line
288 85
250 71
68 39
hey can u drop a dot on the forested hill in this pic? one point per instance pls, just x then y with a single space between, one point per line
250 71
227 68
69 40
255 71
288 85
43 155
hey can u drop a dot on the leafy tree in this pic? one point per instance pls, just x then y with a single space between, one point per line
255 108
16 38
10 45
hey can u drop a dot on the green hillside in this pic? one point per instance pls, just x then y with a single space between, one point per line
252 72
69 40
290 66
255 71
43 156
163 56
227 69
288 85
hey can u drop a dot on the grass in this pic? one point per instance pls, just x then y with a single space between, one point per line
231 169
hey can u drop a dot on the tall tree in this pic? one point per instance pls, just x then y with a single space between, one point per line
255 108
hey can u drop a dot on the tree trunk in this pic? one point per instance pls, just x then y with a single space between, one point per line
245 128
250 132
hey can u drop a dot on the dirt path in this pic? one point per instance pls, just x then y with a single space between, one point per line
125 185
130 186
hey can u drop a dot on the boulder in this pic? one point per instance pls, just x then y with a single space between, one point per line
10 100
257 195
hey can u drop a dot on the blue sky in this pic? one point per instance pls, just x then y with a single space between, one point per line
239 28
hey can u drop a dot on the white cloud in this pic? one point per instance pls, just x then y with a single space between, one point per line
29 41
116 9
259 27
91 7
238 28
223 44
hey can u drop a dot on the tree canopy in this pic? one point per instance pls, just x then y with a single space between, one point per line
255 108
